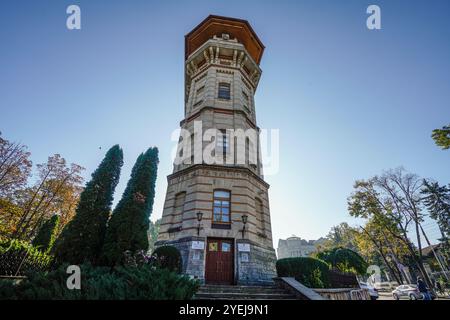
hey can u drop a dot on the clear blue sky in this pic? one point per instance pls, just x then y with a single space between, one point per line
349 102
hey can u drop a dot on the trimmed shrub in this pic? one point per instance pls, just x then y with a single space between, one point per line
167 257
15 254
102 283
344 260
311 272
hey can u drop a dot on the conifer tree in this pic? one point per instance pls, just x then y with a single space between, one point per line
82 238
129 223
47 234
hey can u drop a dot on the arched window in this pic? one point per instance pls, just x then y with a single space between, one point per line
260 215
221 206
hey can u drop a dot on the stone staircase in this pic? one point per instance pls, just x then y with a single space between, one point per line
229 292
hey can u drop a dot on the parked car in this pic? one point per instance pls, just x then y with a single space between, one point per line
373 293
407 290
385 286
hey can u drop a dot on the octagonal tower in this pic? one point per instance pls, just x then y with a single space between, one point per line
217 212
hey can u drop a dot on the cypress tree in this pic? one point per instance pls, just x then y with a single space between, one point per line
47 234
129 223
82 238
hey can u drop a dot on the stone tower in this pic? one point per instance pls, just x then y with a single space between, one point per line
216 211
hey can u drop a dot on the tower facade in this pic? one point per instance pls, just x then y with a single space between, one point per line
216 210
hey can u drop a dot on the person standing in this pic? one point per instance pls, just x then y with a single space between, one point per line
423 289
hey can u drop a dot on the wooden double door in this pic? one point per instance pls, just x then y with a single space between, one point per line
219 267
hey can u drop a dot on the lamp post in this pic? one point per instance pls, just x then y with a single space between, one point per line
199 219
244 221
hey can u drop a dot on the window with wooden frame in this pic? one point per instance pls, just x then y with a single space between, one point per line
223 143
224 91
221 207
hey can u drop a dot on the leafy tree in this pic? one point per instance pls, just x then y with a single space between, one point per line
47 234
24 207
442 137
9 215
82 238
394 199
379 247
127 229
341 235
57 184
344 260
437 201
15 167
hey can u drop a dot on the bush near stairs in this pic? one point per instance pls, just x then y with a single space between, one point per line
311 272
131 283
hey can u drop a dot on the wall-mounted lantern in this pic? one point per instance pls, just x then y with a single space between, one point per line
244 221
199 219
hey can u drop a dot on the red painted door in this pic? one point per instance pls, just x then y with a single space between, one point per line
219 261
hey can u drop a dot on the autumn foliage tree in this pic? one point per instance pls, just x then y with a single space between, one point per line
129 223
57 185
23 206
380 247
394 199
15 167
82 238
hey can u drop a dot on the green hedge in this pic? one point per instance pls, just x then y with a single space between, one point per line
313 273
15 253
167 257
344 260
102 283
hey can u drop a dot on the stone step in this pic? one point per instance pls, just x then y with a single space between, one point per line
240 290
231 287
243 296
229 292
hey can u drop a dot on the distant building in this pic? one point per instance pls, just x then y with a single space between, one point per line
297 247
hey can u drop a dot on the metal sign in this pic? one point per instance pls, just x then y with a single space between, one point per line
199 245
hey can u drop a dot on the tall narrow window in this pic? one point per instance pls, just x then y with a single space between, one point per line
246 101
221 207
179 203
224 91
223 143
260 215
178 210
199 96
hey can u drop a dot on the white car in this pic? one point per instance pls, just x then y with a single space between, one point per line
373 293
407 290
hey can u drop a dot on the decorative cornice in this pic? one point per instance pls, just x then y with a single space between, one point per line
217 168
220 110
